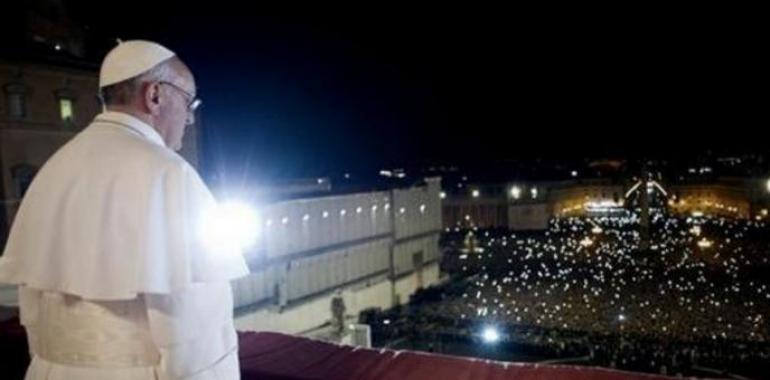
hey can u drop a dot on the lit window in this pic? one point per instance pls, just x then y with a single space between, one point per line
66 110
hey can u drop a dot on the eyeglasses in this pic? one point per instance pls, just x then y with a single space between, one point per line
192 101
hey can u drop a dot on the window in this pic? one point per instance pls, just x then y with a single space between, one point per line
22 177
65 99
16 96
66 110
16 104
417 259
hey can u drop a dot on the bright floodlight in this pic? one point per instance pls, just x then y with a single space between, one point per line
232 225
516 192
490 335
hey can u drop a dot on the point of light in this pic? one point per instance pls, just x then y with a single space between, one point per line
705 243
603 206
230 225
516 192
476 193
490 335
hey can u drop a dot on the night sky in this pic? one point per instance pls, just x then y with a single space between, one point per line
322 90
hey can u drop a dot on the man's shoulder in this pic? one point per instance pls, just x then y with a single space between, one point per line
129 146
112 153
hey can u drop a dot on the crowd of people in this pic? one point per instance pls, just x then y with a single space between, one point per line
586 288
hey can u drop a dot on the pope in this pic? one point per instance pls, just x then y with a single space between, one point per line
116 280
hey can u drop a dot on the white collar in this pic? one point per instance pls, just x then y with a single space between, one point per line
133 123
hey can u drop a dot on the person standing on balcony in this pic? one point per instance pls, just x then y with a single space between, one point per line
115 278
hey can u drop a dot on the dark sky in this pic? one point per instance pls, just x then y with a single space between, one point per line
311 91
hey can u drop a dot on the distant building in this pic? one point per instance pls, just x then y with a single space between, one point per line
378 247
528 205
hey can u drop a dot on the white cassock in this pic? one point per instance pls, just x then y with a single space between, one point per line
114 279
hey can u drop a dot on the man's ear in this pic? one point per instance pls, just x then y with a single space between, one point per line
151 97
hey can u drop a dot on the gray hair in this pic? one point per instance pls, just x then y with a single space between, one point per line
125 92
